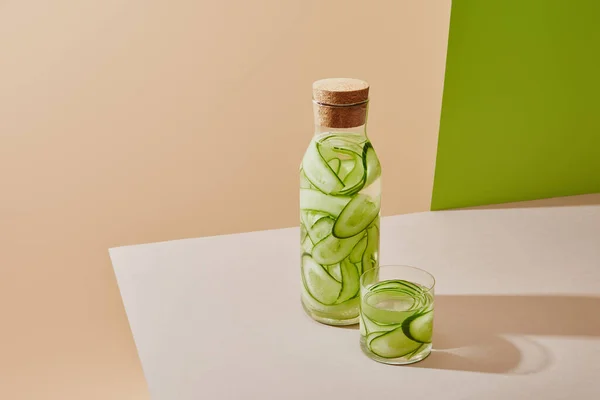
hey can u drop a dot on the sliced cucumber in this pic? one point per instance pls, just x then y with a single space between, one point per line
356 216
373 335
355 180
318 172
393 344
307 245
304 182
335 271
384 315
309 218
345 168
347 310
350 282
303 232
332 250
419 327
335 164
358 250
320 230
371 326
373 168
319 284
370 257
314 200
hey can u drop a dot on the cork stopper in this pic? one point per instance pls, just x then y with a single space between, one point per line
340 102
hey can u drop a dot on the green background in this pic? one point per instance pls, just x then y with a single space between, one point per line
521 112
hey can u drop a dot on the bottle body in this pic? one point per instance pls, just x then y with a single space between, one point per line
340 200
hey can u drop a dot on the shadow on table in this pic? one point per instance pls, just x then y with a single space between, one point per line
490 333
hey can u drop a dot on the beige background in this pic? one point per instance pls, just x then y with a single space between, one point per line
125 122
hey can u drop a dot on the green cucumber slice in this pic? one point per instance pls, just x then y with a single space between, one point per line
347 310
385 316
371 326
303 232
373 167
358 250
332 250
307 245
309 218
319 284
419 327
335 164
318 172
335 271
393 344
314 200
355 180
320 230
373 335
370 257
356 216
304 182
345 168
350 282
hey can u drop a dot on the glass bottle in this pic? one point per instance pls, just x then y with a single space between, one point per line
340 197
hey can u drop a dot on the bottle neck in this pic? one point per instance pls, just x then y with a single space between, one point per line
358 130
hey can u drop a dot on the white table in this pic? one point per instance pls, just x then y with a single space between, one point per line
517 312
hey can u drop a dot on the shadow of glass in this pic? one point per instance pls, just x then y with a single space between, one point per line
490 334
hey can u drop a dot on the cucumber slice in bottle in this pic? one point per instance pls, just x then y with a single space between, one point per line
344 311
335 164
303 232
350 282
335 271
309 218
393 344
345 168
318 172
359 213
370 257
419 327
304 182
373 169
307 245
320 230
358 250
355 180
314 200
332 250
320 285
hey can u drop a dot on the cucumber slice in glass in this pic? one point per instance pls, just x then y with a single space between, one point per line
332 250
314 200
320 285
350 282
359 213
419 327
318 172
393 344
